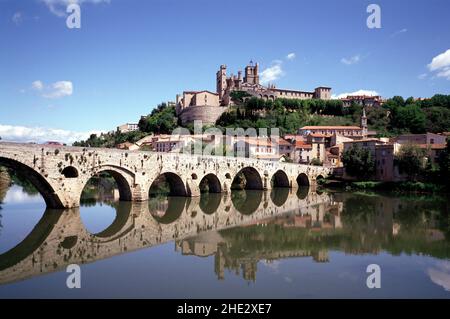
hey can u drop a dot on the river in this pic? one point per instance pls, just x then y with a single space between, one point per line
247 244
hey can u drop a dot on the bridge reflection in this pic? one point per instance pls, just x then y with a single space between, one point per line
239 230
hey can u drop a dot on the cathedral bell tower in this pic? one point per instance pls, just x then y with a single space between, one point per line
364 123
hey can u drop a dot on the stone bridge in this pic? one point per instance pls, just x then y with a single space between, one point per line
60 173
60 237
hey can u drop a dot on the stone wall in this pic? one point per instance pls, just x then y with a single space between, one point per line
206 114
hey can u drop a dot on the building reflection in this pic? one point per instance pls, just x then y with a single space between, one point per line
238 230
354 224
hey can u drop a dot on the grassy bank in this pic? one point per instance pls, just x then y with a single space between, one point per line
400 187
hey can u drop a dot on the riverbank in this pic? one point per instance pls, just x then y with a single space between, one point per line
398 187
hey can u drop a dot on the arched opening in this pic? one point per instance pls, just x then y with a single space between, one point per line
167 184
247 178
107 186
280 179
303 180
70 172
246 201
167 210
279 195
31 181
210 184
320 180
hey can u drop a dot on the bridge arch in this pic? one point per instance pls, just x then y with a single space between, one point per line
122 177
303 180
210 183
319 177
253 179
280 179
174 181
51 198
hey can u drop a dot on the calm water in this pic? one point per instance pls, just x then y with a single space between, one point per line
248 244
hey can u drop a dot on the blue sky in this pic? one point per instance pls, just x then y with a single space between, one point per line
128 56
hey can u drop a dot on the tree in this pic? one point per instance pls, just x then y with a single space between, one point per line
444 164
437 119
358 162
408 118
410 161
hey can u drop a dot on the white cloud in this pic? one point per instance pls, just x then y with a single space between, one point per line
422 76
59 89
37 85
58 7
24 134
17 18
445 73
272 73
290 56
351 60
440 61
359 92
55 90
396 33
441 65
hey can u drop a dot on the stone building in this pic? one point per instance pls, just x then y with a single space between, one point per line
207 106
250 83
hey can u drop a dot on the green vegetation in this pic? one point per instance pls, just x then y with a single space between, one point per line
161 120
396 116
110 139
358 162
286 114
396 187
410 161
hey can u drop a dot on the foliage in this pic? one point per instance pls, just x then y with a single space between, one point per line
410 161
358 162
110 139
239 96
444 164
162 120
316 162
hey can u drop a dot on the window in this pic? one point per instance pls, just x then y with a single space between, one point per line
432 141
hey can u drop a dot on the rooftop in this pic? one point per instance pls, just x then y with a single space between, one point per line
331 128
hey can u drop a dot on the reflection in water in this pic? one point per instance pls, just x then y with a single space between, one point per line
241 230
246 201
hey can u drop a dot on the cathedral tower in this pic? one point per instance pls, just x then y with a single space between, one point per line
364 123
221 84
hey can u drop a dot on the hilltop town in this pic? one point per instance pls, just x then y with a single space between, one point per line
384 129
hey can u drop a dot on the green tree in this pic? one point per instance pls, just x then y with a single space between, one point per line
408 118
358 162
410 161
444 164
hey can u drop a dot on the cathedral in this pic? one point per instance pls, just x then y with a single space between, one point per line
207 106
